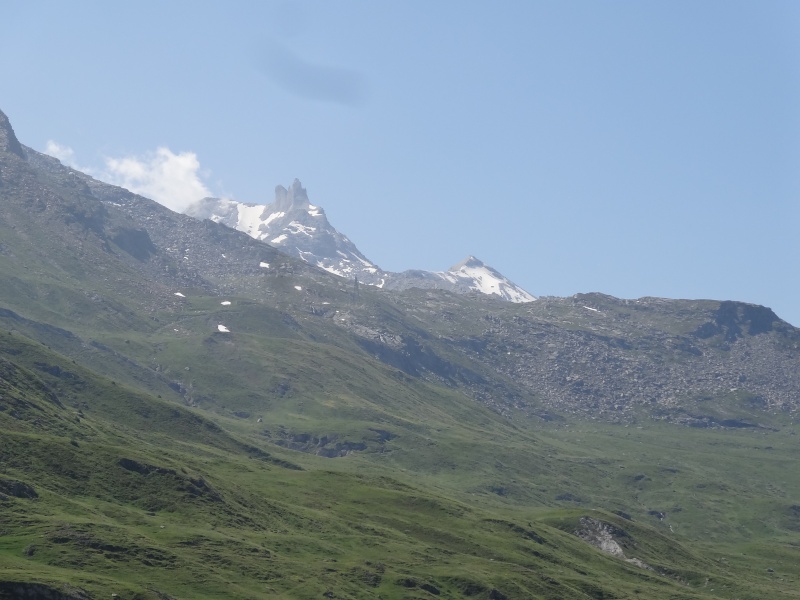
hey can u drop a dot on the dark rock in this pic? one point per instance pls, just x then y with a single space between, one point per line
16 590
143 469
135 242
17 489
431 589
568 497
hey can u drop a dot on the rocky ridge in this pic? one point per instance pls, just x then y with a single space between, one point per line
701 363
297 227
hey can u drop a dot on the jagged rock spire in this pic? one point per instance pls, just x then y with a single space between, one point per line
295 197
8 140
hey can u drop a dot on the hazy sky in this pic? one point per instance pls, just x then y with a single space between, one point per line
633 148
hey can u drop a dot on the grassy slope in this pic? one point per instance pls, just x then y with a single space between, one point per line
125 507
140 494
456 512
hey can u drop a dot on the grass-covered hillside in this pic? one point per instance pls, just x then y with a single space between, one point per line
186 413
108 490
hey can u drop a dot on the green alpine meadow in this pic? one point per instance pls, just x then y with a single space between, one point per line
187 412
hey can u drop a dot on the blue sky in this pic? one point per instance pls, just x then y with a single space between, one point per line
632 148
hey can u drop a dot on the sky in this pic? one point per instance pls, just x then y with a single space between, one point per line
634 148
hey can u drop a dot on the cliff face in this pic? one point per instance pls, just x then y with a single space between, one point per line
8 140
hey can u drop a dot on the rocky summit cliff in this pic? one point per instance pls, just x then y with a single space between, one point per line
301 229
9 144
295 226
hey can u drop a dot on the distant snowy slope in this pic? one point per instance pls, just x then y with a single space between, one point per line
470 275
295 226
475 275
298 228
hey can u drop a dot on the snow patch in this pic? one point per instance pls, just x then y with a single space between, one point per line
263 265
487 281
295 227
248 218
298 288
590 308
222 329
272 217
364 262
226 303
279 239
180 295
331 270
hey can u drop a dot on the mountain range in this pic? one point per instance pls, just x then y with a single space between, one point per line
187 411
301 229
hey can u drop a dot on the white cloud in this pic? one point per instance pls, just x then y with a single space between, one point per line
63 153
174 180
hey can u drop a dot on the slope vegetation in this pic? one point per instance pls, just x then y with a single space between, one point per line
187 413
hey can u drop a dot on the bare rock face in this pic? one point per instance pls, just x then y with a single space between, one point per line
8 140
17 489
609 539
602 536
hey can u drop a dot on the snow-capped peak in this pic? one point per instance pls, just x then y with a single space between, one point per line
301 229
295 226
476 275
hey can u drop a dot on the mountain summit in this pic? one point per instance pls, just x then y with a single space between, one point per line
473 274
8 140
295 226
299 228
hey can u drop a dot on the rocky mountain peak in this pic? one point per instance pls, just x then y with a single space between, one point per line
301 229
8 139
470 261
293 198
470 275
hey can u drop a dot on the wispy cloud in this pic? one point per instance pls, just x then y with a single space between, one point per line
174 180
312 81
63 153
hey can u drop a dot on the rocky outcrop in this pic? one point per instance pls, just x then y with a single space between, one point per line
608 538
22 590
17 489
598 357
9 144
